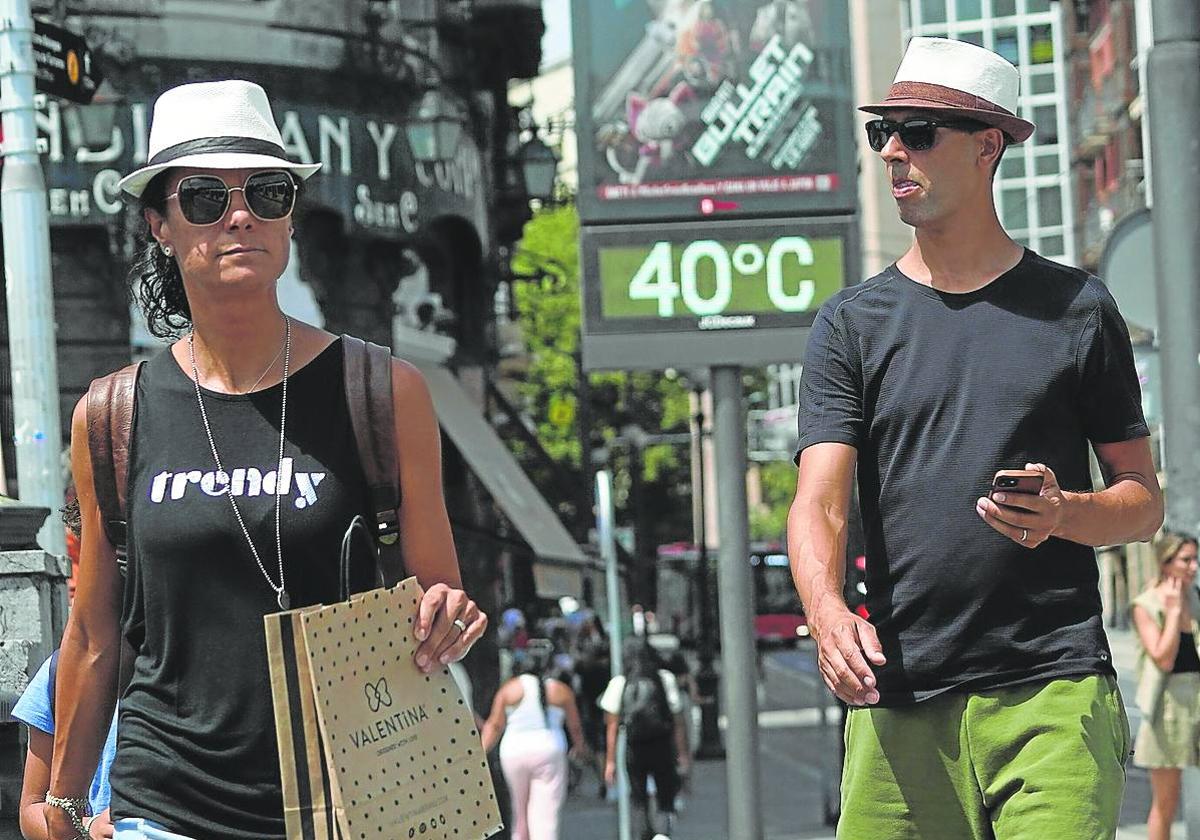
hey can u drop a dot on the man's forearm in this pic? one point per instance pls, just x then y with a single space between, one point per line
816 547
1127 511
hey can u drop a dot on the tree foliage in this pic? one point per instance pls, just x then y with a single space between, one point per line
547 299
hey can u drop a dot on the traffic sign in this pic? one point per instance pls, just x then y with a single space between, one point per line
64 63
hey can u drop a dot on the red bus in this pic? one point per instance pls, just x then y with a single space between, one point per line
778 614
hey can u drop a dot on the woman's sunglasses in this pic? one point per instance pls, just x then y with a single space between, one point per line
203 199
917 134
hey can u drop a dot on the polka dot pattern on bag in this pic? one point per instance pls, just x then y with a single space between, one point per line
404 746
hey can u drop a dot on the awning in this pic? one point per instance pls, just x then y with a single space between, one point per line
561 562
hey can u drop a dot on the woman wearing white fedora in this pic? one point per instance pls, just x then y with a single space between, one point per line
245 391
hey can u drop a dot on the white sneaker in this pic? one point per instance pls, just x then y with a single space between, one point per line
660 837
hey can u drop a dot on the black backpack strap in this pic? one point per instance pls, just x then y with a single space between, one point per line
110 408
368 375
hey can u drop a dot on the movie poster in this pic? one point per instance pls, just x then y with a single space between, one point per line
713 108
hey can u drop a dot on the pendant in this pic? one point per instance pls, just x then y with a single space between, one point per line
281 596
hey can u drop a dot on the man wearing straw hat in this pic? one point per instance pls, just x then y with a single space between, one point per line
984 701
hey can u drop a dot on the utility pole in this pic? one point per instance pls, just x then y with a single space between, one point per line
32 351
605 522
737 613
707 681
1174 102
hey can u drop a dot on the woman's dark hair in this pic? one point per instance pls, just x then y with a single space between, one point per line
538 656
154 278
640 660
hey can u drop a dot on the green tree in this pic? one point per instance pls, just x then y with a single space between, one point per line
777 480
548 302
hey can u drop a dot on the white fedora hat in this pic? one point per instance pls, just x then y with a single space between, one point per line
213 125
958 78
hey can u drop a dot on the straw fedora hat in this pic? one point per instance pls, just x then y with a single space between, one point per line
213 125
959 79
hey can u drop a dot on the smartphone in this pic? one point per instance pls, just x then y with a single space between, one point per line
1017 481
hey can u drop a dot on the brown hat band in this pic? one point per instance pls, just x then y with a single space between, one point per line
944 96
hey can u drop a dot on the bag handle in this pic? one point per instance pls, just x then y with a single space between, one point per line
358 526
368 375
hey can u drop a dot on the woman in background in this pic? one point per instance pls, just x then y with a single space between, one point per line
532 714
1168 679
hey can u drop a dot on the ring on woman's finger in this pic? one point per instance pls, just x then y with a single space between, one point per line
460 624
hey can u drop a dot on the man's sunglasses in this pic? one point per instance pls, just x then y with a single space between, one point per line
917 134
203 199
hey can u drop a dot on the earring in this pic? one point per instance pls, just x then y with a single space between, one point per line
166 249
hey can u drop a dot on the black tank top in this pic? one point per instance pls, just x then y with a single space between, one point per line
196 747
1187 661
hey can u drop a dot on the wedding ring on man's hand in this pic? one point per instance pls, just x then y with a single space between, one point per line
460 624
1024 534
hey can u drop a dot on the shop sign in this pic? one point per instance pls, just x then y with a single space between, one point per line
368 176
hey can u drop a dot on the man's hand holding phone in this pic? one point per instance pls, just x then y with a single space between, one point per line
1024 505
847 647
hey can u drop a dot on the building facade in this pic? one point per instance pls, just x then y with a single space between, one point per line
1108 149
395 250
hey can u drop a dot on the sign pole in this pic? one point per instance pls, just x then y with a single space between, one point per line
737 613
37 428
1174 96
608 551
707 680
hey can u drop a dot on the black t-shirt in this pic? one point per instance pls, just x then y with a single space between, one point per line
196 748
1187 661
936 392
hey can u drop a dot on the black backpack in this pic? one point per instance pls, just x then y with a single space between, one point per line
645 712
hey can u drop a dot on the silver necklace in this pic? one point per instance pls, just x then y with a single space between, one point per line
280 590
264 373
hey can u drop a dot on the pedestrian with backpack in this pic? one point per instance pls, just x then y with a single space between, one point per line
236 458
645 703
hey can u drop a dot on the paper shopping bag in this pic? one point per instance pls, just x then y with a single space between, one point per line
310 803
402 753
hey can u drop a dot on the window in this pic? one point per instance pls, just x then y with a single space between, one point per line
1053 246
1045 117
1004 8
1034 6
1045 165
969 9
1016 208
1049 206
1041 45
975 38
1012 165
1041 82
1006 45
933 11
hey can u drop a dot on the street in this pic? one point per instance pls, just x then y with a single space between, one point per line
797 760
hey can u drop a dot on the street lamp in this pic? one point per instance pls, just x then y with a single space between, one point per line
434 128
91 126
539 168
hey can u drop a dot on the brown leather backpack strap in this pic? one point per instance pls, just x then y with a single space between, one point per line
368 375
110 406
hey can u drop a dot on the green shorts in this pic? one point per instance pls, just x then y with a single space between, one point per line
1040 760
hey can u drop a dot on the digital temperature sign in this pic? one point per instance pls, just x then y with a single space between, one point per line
687 295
